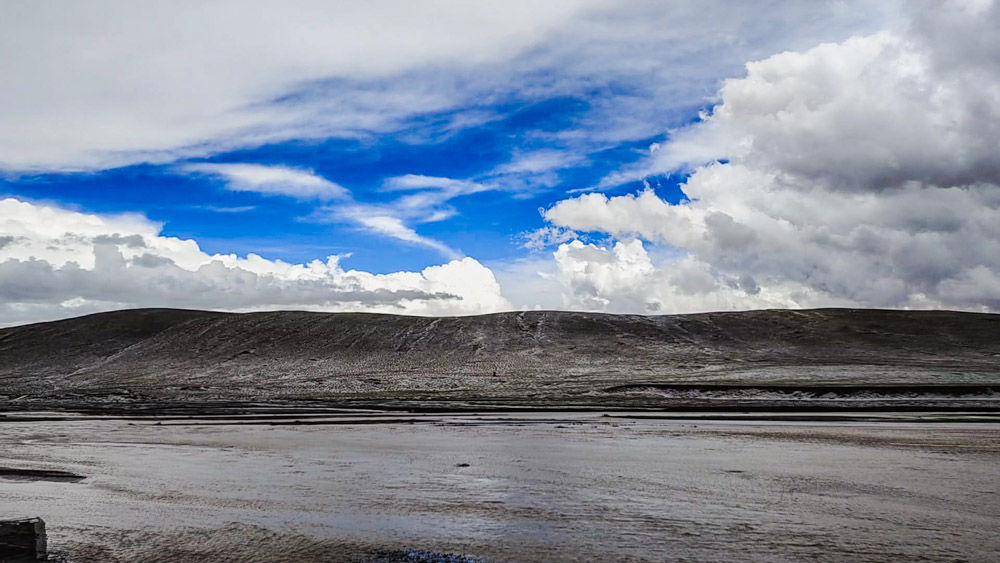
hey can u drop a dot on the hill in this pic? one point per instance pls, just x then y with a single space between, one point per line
165 354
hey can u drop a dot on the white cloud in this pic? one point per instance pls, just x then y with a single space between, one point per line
426 204
448 186
221 209
56 263
870 113
539 161
426 201
107 83
429 196
863 172
594 273
270 180
547 236
624 279
531 171
394 227
86 84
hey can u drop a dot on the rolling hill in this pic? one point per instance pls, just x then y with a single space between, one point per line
545 356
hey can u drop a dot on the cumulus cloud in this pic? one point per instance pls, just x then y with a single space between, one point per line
624 278
56 263
595 274
270 180
862 172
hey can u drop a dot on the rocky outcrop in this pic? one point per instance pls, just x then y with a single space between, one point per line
23 540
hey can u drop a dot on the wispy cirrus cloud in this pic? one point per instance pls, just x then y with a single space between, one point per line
423 199
269 180
231 209
427 197
388 225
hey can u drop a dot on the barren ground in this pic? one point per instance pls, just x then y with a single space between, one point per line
522 487
835 434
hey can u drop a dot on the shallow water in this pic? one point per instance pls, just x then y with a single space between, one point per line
533 486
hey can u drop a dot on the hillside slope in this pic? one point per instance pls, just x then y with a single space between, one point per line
188 355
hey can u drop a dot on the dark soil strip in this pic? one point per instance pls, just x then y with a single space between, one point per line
15 474
298 422
971 417
839 390
637 397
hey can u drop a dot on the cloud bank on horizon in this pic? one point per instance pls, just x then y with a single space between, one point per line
610 156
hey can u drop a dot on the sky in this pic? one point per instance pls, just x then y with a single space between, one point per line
453 158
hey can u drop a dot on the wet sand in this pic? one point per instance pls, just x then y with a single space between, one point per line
559 486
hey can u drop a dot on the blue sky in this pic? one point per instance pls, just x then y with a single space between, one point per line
627 156
489 225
